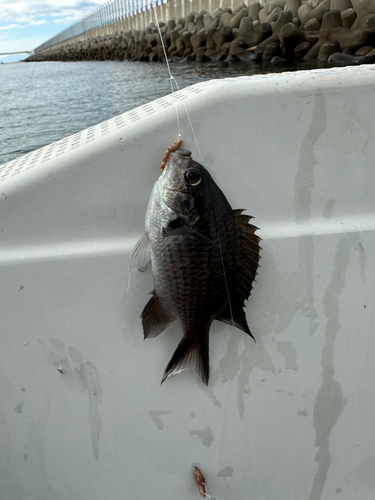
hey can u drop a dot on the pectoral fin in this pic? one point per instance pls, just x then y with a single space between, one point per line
155 318
140 254
177 227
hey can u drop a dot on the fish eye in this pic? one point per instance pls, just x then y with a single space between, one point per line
193 176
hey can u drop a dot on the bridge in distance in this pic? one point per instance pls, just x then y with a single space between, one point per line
13 53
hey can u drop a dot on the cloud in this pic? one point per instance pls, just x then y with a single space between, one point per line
10 27
30 11
31 23
66 20
38 23
42 18
28 43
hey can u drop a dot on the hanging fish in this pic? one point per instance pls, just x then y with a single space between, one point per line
204 259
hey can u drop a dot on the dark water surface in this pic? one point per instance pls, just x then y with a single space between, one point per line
43 102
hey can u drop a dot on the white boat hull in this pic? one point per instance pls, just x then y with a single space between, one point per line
82 412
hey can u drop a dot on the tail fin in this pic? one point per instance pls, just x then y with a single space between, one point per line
189 349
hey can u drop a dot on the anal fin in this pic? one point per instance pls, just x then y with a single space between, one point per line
155 318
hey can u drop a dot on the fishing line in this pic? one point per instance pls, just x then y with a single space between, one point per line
222 258
171 77
173 80
209 496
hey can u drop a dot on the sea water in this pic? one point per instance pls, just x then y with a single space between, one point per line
43 102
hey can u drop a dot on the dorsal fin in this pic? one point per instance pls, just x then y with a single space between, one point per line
245 273
249 252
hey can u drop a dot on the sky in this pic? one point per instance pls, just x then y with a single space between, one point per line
25 24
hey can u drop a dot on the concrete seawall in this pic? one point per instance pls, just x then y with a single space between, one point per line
168 9
341 32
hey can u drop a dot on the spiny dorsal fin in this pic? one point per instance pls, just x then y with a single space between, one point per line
249 253
245 273
155 318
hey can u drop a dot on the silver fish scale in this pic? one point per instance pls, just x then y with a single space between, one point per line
188 279
183 292
195 248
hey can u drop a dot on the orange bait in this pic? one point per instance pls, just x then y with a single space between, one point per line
200 481
172 149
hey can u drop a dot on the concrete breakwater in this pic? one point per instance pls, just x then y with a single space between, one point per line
338 31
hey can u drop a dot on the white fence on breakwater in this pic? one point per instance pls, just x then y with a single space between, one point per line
123 15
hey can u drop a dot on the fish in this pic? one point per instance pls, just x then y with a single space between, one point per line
204 258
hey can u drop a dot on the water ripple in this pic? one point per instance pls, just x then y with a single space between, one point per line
46 101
